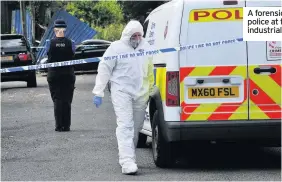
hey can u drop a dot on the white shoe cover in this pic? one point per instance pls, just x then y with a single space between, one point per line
129 168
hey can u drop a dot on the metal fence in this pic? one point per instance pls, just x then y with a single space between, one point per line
17 24
77 30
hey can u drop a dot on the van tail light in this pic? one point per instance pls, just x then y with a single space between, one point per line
172 88
24 57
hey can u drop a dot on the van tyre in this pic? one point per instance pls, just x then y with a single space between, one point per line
162 150
31 82
142 140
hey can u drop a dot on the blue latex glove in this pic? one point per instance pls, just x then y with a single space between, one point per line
97 101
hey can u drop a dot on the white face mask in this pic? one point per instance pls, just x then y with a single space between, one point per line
134 43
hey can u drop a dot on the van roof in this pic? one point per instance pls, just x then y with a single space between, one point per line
163 5
169 3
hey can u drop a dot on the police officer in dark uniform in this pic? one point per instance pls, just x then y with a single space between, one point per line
61 80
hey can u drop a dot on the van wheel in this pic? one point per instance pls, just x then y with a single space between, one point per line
162 150
142 139
31 82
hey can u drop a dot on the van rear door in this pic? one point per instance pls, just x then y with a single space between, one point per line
264 68
213 79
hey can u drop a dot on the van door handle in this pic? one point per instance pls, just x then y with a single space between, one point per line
264 70
200 81
226 80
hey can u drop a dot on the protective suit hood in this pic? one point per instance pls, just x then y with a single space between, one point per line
132 27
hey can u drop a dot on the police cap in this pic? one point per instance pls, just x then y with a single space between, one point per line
60 24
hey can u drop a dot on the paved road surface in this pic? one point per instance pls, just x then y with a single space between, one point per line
32 150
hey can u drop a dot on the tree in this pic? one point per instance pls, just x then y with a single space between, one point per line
111 32
96 13
108 12
110 27
82 10
106 17
138 10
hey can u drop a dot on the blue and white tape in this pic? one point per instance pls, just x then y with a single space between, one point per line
122 56
97 45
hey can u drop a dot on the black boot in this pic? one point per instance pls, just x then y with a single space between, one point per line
65 128
59 129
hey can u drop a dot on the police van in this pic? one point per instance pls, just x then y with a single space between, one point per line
227 91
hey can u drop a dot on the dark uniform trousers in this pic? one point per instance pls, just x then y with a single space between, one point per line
62 90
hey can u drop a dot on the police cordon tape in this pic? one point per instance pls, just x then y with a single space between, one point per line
122 56
97 45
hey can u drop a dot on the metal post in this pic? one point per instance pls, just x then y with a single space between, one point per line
33 20
23 17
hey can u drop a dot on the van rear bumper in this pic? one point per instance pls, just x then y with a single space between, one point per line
259 130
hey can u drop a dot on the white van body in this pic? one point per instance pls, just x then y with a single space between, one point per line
229 90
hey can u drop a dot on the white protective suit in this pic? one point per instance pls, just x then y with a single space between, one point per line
131 81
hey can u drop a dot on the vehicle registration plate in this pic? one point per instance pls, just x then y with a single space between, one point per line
6 58
213 92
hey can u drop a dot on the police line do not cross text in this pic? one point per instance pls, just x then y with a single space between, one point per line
122 56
